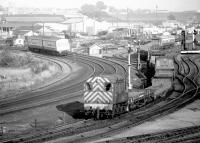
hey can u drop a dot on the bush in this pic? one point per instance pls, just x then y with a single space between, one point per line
6 58
10 59
38 67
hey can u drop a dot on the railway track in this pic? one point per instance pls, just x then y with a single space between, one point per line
160 110
177 135
72 88
83 132
124 61
99 65
188 134
6 105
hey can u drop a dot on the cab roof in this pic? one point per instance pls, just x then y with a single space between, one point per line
112 78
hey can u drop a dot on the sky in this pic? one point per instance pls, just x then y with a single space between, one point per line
170 5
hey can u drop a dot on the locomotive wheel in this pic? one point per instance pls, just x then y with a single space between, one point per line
97 114
108 114
127 109
86 115
121 109
118 110
112 115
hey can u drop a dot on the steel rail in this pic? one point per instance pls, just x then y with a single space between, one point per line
167 108
69 89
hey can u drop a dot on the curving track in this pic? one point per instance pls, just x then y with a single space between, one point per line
63 91
183 135
108 127
189 134
187 74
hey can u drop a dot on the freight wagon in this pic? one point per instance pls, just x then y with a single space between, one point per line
166 41
106 96
50 45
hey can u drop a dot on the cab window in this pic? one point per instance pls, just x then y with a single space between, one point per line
107 86
88 86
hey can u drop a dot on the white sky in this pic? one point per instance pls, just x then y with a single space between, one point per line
171 5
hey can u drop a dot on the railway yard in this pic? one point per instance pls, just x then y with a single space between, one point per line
52 112
96 89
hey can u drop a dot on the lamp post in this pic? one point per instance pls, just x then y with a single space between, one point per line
129 67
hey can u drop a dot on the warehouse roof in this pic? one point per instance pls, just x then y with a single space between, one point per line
25 29
49 38
96 46
30 18
28 28
13 20
73 20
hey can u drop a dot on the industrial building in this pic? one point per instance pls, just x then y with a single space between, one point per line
96 50
164 70
11 22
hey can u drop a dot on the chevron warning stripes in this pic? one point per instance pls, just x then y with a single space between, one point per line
104 97
98 94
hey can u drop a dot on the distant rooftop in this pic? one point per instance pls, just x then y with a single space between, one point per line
28 19
73 20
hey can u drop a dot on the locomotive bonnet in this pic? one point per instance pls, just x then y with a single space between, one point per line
104 93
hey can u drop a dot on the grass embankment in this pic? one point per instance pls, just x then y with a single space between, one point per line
9 59
20 71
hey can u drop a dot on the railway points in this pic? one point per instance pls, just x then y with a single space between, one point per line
97 66
187 74
185 117
124 121
154 97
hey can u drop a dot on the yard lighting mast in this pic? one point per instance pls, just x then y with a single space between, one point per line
129 67
138 52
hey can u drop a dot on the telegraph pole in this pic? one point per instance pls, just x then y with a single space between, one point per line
127 16
43 30
156 11
32 30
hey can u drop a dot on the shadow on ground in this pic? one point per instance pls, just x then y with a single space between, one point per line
74 109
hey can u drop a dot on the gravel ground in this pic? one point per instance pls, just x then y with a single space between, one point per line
185 117
45 117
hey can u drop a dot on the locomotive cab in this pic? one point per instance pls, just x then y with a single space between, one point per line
104 96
